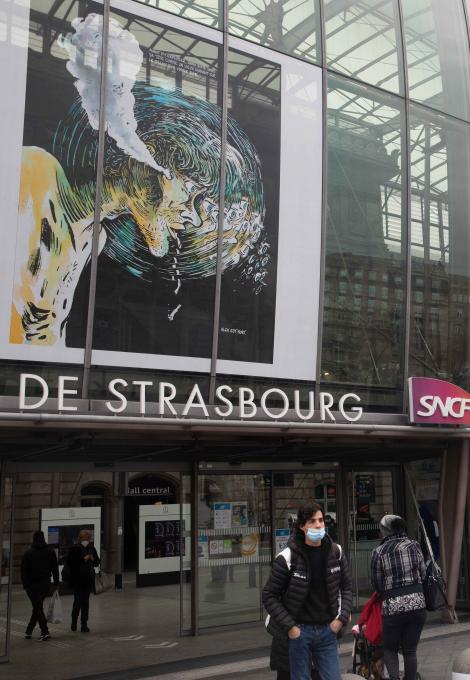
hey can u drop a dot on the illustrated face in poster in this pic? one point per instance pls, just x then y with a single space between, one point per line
159 217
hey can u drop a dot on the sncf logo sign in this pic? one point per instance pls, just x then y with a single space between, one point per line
438 402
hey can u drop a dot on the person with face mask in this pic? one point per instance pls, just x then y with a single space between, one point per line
397 574
308 598
81 560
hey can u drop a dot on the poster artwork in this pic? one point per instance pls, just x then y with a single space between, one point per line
160 202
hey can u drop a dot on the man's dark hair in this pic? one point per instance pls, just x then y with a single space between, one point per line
306 512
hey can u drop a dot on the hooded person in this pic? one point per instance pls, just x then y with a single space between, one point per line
397 574
308 597
38 565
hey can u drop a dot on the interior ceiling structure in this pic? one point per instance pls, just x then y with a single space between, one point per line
361 40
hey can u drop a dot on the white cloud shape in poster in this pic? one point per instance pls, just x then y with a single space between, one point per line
84 48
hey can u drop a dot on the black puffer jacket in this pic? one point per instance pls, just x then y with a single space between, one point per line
286 590
39 563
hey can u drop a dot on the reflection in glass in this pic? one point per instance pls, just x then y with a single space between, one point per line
234 547
292 489
6 509
57 189
248 295
156 271
440 247
438 55
207 12
363 321
363 41
370 498
288 26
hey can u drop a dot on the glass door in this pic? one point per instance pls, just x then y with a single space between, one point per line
371 494
6 514
293 489
234 546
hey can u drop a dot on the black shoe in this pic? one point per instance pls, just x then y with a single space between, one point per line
73 625
84 629
27 636
44 637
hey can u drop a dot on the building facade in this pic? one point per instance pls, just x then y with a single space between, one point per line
232 232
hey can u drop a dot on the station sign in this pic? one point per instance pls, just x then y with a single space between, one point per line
437 402
162 399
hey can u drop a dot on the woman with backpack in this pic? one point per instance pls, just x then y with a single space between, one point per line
308 597
397 574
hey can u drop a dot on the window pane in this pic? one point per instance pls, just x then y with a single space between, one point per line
234 547
156 271
438 55
57 188
363 303
363 41
207 12
249 257
288 26
440 247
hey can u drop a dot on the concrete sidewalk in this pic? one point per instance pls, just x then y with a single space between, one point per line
134 635
437 651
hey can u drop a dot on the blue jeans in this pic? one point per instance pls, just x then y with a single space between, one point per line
319 642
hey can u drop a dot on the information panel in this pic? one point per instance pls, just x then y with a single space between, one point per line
163 539
61 527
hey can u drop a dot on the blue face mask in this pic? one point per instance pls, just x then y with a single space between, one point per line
315 535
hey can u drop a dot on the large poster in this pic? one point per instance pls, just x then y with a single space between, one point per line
160 199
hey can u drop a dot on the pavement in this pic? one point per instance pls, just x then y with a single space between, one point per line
135 636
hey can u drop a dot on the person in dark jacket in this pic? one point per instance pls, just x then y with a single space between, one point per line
39 563
397 574
308 597
80 563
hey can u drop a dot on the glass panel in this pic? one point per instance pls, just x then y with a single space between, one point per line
57 180
51 295
440 247
207 12
364 274
6 509
252 208
288 26
156 271
291 490
371 497
234 546
363 41
185 563
438 55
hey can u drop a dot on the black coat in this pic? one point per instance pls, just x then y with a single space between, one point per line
80 572
286 591
39 563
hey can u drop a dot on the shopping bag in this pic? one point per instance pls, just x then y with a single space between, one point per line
103 582
54 613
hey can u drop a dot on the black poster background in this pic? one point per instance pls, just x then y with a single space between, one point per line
132 313
246 319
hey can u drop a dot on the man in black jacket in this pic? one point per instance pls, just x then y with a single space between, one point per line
39 563
308 598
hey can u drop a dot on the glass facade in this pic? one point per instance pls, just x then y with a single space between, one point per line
121 254
250 195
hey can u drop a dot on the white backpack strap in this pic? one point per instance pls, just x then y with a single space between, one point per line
287 555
